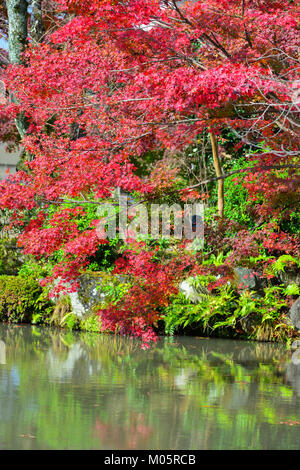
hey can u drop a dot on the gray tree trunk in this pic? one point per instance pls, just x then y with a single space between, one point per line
17 29
17 39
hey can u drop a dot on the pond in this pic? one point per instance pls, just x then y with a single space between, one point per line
60 390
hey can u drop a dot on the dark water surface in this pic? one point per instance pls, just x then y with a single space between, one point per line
60 390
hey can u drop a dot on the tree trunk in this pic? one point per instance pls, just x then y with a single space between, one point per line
37 30
17 29
217 165
17 39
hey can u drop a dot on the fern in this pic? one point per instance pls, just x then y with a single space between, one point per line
282 262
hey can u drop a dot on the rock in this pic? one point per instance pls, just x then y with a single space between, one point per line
295 345
192 293
77 306
296 357
294 314
289 276
248 324
248 279
90 293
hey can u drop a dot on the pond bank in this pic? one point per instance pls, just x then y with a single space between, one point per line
258 312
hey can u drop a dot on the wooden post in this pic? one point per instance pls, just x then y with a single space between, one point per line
217 165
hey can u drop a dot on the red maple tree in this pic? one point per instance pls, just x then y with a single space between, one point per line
118 79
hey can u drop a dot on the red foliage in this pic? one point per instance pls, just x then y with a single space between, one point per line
153 284
122 78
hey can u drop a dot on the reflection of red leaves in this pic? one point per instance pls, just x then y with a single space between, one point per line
290 422
129 436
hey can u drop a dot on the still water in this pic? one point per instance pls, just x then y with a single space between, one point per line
60 390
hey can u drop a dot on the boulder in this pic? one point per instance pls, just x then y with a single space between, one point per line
294 314
77 306
91 295
248 279
248 324
295 345
289 276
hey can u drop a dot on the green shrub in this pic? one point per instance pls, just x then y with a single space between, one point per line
23 300
91 324
237 205
33 268
10 260
70 321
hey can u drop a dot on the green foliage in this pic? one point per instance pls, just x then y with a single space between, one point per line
62 307
23 300
215 260
115 291
292 224
70 321
10 260
292 289
228 314
33 268
237 204
91 324
283 262
105 256
266 321
208 315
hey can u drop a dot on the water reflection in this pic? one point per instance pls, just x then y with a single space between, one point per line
2 353
293 371
76 363
60 390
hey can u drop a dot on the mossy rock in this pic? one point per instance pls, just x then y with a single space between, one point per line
91 295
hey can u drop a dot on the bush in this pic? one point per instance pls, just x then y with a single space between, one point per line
237 204
35 269
91 324
10 260
23 300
